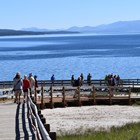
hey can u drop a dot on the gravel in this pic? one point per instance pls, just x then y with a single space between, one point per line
78 120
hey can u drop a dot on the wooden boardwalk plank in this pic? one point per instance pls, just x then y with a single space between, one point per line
7 121
14 122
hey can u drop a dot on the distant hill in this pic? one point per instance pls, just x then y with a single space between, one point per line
9 32
35 29
116 27
120 27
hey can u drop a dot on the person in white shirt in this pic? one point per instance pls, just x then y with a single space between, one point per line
32 84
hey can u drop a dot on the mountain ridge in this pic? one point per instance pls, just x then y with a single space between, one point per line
116 27
119 27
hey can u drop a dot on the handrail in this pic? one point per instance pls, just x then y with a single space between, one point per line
35 121
42 129
4 84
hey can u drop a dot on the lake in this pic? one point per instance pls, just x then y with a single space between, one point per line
64 55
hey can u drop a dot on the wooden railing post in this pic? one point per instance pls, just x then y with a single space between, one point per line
100 83
94 95
42 97
47 127
129 95
133 85
64 97
35 96
52 135
51 94
3 85
110 95
79 101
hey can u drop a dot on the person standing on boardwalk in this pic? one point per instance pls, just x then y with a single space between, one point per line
89 79
26 86
32 84
81 79
118 80
36 82
17 87
52 79
72 80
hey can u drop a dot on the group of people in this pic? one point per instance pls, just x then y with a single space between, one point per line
112 80
80 80
25 85
29 83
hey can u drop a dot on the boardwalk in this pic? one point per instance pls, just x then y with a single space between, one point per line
57 96
14 122
7 121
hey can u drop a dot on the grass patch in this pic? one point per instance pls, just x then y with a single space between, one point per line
127 132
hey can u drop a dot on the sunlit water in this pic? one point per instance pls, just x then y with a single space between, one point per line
71 54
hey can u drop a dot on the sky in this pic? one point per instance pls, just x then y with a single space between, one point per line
63 14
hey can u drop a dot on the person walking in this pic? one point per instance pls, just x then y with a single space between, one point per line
32 84
17 87
26 86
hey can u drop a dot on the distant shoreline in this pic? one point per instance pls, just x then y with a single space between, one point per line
9 32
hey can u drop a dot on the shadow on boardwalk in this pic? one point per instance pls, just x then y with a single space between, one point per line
23 126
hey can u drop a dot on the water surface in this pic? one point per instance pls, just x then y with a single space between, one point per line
70 54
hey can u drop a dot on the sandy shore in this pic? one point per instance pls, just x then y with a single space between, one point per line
74 120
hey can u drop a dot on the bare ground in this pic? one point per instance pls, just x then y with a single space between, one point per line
77 120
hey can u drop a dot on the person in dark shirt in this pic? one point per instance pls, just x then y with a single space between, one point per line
36 82
72 80
89 79
52 79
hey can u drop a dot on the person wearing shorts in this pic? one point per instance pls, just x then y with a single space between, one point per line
26 86
17 87
32 84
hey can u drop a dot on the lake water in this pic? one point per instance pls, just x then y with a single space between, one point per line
64 55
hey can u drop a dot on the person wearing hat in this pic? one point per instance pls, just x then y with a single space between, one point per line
17 87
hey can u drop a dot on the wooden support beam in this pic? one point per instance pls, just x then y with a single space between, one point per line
42 97
43 120
52 135
110 95
47 127
129 95
35 97
39 112
79 100
64 97
94 95
51 99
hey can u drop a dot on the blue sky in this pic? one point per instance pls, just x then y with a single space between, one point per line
62 14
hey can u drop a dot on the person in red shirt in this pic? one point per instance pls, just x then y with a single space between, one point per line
26 86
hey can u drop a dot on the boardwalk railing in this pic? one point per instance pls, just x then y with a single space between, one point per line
39 127
65 96
6 94
101 82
